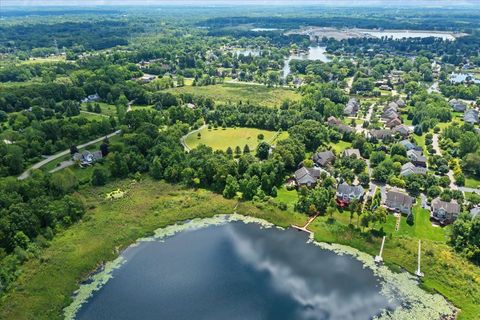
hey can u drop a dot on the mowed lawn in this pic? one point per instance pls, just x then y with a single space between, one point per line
221 139
233 92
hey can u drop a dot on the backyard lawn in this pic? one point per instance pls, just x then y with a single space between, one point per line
221 139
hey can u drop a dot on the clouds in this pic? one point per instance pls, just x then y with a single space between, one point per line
319 298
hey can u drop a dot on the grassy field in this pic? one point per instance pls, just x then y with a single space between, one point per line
221 139
340 146
472 182
107 109
230 92
45 284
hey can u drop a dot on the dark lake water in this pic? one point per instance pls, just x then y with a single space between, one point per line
237 271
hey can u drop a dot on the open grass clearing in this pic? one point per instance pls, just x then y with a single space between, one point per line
221 139
236 92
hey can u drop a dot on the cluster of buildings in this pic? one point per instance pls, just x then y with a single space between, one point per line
470 115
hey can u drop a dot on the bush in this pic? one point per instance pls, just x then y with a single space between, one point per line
410 219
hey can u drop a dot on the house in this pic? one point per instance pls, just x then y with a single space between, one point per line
444 212
409 169
332 121
347 193
307 176
385 87
393 105
417 158
402 130
351 108
400 103
380 134
352 153
457 105
323 158
398 201
471 116
87 158
389 114
344 128
408 145
91 98
147 78
393 123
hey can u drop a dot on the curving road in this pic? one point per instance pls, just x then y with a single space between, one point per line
51 158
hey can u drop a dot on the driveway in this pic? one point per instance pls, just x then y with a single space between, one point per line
51 158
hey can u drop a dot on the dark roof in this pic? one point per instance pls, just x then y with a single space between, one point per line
322 158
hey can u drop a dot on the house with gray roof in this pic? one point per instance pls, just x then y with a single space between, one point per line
351 153
457 105
417 158
307 176
351 108
336 123
409 169
402 130
444 212
408 145
471 116
380 134
398 201
323 158
347 193
87 158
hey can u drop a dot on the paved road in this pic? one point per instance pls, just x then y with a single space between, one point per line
51 158
182 139
436 147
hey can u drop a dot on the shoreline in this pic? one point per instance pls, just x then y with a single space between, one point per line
422 304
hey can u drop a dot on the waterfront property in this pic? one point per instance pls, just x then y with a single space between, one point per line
445 212
399 202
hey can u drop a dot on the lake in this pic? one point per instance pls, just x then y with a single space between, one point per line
462 77
237 270
314 53
401 34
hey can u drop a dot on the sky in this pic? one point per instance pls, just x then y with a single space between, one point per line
239 2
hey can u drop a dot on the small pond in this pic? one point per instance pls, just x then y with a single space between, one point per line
229 269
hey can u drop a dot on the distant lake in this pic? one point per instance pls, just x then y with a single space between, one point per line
400 34
237 271
247 52
263 29
462 77
314 53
